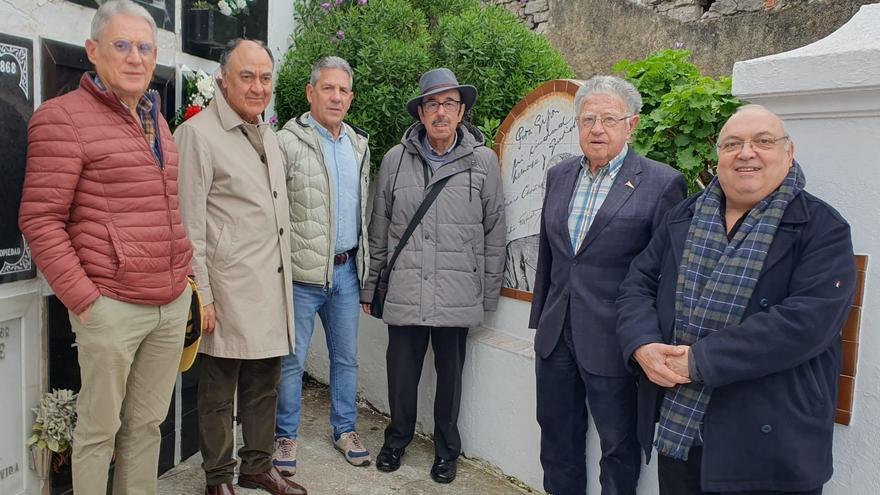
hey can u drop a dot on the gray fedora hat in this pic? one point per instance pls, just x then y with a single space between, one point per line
437 81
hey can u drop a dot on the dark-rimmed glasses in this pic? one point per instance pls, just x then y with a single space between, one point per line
730 146
451 106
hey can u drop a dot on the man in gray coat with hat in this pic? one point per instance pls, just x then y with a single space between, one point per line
448 271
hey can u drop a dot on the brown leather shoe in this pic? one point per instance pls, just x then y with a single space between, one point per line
224 489
272 481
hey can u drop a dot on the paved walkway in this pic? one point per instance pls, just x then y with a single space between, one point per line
322 470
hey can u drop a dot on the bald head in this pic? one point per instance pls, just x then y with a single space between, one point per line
752 112
754 156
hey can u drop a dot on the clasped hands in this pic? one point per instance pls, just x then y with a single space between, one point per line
666 365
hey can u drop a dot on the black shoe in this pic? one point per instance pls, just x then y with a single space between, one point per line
388 459
443 471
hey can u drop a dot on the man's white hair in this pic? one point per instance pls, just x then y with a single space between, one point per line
113 8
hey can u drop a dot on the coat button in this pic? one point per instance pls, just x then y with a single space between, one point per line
263 158
275 194
427 237
574 263
426 277
764 303
280 231
766 429
280 269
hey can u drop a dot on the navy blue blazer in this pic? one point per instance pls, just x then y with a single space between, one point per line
586 283
770 420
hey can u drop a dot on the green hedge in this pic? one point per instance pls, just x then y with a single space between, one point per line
682 113
391 43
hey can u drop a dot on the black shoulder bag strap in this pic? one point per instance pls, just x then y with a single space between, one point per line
382 284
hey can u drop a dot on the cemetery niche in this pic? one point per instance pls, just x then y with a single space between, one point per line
206 30
16 108
538 133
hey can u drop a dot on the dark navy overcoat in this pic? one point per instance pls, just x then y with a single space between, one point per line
770 419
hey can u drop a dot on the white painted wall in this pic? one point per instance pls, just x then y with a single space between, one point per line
67 22
828 93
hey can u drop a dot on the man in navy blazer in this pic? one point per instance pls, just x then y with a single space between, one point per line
600 210
764 418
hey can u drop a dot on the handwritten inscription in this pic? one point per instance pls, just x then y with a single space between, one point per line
541 137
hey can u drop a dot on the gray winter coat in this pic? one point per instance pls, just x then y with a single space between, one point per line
451 268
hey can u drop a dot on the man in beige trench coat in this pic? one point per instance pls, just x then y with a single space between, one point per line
234 207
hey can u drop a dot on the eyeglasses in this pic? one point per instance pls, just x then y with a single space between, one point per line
731 146
588 121
123 47
451 106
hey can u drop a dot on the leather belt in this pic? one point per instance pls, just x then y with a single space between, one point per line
342 258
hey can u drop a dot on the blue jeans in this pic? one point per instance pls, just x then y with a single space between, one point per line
339 308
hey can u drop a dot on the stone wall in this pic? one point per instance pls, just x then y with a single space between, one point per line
594 34
533 13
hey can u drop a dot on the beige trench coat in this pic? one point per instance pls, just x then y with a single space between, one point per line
233 203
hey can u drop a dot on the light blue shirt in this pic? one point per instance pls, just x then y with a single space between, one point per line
342 165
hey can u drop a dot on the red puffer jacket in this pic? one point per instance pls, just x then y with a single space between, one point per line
100 215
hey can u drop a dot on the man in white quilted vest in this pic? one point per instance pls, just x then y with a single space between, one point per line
328 176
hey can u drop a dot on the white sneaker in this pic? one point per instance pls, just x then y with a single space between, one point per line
284 458
350 445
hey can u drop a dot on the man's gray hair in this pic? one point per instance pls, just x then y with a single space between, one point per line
232 45
113 8
609 85
331 62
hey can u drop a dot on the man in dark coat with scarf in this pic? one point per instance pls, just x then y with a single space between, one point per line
733 316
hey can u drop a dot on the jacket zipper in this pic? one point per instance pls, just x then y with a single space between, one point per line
362 218
159 166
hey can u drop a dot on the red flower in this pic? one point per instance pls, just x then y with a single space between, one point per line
191 111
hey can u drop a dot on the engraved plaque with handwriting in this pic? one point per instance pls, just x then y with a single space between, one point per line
539 133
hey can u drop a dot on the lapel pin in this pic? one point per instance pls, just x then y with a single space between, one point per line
630 185
837 284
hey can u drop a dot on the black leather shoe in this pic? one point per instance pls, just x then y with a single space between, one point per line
443 471
388 459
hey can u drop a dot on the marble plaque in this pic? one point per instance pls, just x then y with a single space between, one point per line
13 461
538 133
16 108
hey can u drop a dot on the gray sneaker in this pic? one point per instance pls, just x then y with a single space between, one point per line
350 445
284 458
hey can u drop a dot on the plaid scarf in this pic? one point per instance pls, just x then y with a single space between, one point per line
716 279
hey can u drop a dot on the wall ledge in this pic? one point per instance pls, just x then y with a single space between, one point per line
847 58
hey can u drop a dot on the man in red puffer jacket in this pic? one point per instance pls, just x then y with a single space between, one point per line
100 212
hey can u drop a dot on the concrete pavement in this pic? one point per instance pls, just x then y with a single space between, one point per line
322 470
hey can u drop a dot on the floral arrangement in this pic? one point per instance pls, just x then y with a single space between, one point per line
198 91
54 424
229 8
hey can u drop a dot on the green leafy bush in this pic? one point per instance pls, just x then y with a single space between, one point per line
391 43
682 112
492 50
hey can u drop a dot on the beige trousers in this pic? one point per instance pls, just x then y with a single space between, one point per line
128 358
